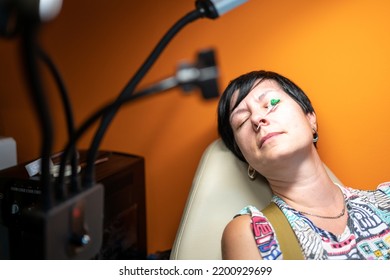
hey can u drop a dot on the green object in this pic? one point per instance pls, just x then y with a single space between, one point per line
274 102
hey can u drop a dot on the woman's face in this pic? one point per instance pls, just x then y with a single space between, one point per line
266 139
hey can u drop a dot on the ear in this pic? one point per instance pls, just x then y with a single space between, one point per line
312 118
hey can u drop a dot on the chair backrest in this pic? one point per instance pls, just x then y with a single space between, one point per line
219 190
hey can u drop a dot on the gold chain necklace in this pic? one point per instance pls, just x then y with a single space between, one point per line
328 217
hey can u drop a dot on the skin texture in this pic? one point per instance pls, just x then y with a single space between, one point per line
279 145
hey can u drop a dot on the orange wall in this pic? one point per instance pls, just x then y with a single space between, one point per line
337 51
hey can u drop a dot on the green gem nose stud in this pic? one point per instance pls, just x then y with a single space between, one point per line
274 102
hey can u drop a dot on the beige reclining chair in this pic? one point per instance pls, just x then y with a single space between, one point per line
220 189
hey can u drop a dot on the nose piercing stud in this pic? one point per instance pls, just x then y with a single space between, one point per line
274 102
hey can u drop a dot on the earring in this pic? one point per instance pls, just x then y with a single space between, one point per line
315 136
251 172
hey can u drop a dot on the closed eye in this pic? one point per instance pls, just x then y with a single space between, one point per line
242 123
239 120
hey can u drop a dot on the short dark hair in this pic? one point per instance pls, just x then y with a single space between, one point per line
244 85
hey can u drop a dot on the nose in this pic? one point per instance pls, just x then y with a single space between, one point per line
259 121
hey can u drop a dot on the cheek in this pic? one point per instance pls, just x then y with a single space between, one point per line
240 140
302 129
247 144
296 118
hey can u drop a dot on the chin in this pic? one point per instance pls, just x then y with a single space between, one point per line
277 153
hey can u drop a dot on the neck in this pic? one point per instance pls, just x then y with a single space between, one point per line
306 186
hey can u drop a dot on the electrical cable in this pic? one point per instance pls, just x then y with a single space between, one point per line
84 128
29 54
68 116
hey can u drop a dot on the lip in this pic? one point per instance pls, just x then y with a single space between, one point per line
267 137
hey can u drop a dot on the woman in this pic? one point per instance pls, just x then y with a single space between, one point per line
268 121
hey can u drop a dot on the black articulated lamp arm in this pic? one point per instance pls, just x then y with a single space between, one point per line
204 8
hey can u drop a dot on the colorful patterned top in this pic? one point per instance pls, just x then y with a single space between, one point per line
366 236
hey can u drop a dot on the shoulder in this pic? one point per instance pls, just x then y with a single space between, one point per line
384 187
238 241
